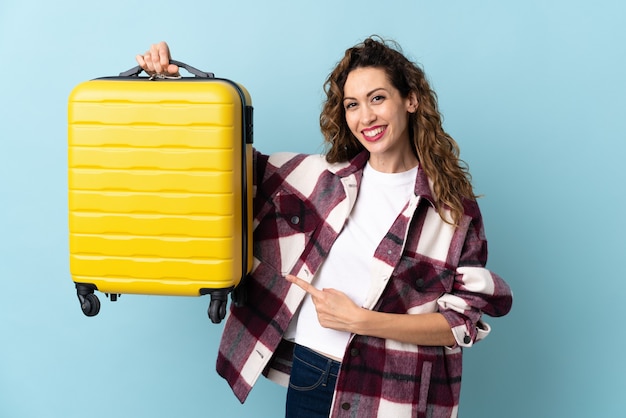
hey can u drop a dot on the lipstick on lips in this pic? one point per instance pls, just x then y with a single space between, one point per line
374 134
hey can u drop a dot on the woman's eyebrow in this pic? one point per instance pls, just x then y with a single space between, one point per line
368 94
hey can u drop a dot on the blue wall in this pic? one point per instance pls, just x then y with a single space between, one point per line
533 91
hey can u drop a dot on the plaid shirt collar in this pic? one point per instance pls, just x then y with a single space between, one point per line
423 185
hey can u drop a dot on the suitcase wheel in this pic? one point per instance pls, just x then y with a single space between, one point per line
217 310
89 303
219 300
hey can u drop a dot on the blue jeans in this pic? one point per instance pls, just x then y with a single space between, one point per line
311 385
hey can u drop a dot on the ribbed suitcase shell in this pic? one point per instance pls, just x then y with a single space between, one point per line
155 179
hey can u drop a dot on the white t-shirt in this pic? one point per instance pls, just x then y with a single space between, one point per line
347 268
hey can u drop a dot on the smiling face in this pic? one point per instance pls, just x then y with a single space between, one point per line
378 116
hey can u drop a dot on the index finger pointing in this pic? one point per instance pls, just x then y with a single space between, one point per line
307 287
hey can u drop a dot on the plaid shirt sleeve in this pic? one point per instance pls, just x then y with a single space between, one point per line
475 289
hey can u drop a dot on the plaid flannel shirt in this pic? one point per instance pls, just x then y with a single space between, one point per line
422 265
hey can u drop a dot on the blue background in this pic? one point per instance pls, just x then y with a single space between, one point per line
533 91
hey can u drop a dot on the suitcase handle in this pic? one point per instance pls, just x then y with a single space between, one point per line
135 71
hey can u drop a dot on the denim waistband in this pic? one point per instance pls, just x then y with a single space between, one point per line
316 359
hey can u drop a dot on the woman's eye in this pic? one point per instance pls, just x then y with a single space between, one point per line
378 98
350 105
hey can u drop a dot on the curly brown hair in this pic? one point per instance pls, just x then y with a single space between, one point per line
437 152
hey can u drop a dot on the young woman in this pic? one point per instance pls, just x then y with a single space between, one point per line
369 262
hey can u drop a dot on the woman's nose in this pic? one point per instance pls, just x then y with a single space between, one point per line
367 115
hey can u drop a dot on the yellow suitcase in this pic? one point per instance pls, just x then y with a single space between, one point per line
159 179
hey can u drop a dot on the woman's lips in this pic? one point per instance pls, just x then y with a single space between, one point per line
374 134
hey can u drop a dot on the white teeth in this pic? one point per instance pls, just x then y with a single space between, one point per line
373 132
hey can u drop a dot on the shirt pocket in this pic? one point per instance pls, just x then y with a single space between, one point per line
294 215
417 281
285 230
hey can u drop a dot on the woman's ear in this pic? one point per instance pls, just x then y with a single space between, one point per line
413 103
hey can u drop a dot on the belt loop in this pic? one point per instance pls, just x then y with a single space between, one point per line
329 363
